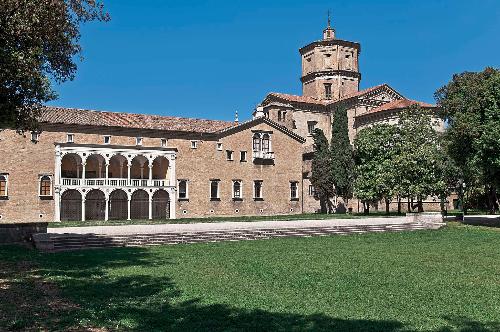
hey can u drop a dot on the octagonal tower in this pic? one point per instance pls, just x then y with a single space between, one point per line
330 67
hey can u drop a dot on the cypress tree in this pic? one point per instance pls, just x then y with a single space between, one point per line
320 170
342 157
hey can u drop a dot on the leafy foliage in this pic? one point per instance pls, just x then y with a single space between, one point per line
403 160
471 106
321 176
342 158
38 42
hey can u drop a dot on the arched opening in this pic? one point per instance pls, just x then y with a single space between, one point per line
95 167
160 171
139 171
45 186
265 143
161 204
95 205
118 205
139 205
256 142
71 205
71 166
118 171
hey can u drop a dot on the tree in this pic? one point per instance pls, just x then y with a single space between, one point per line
321 178
419 161
374 154
471 105
342 158
38 42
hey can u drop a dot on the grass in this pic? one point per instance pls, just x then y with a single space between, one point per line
304 216
445 280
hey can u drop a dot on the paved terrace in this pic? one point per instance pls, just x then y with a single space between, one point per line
228 226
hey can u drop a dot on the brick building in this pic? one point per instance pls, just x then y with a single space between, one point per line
103 165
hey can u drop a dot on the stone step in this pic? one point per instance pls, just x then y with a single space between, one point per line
62 242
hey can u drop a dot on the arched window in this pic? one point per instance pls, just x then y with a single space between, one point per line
265 143
3 186
256 142
45 186
237 189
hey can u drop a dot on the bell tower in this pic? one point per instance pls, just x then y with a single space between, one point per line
330 67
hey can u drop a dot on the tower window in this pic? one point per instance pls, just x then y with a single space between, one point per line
194 144
138 141
107 140
70 138
328 91
163 142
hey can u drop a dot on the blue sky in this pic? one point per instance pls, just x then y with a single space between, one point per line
206 59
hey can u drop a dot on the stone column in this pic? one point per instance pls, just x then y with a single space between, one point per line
128 207
107 168
172 201
150 207
150 174
57 185
106 209
83 208
129 166
171 167
83 172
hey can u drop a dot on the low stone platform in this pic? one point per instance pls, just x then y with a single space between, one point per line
73 241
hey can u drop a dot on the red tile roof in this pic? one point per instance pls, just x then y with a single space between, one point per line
73 116
310 100
397 104
298 99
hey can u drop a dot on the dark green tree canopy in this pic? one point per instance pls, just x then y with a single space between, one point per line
321 178
471 106
342 164
39 40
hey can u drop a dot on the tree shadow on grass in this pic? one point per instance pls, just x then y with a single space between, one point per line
93 298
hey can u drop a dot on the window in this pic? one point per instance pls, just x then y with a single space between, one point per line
229 155
257 189
265 143
328 91
237 189
194 144
311 190
294 190
281 115
219 146
45 186
4 185
35 136
256 142
163 142
70 138
214 189
107 140
138 141
183 189
311 125
243 156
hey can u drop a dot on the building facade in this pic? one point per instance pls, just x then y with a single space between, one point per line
91 165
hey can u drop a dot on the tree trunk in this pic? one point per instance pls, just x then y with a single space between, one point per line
492 199
399 205
366 208
420 205
387 202
323 207
409 204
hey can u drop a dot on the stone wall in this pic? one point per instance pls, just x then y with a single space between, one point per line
25 161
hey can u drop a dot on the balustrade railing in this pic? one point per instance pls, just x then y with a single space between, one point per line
263 155
114 182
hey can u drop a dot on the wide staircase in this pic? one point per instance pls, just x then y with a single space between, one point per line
52 242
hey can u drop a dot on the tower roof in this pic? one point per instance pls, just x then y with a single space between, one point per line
329 32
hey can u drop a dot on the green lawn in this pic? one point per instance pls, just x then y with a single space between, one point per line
445 280
304 216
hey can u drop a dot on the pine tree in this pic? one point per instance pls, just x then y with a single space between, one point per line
342 157
320 171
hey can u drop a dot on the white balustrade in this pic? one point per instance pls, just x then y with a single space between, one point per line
114 182
263 155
